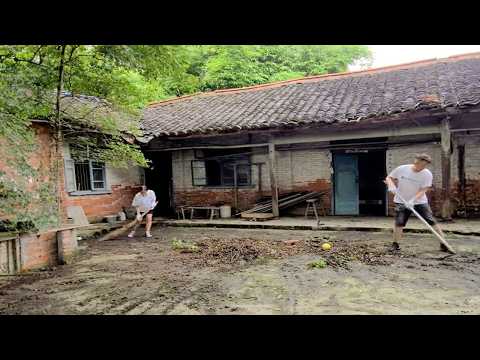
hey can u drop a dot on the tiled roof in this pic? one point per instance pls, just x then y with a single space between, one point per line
436 83
88 110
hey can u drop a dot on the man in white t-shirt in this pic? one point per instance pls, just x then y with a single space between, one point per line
144 201
412 181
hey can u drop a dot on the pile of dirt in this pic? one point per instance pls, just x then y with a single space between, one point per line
235 251
342 253
214 251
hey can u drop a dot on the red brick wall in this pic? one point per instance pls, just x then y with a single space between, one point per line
246 197
215 197
320 185
96 207
38 250
40 160
472 196
67 245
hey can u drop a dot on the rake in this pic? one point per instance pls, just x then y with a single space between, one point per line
440 237
118 232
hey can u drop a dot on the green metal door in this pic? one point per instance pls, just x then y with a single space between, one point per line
346 184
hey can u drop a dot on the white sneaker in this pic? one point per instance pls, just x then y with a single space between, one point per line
131 235
148 235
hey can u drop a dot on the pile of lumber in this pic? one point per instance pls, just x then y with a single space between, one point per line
284 202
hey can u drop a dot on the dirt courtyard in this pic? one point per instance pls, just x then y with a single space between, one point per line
238 271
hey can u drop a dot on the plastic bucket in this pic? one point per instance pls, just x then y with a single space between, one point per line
225 211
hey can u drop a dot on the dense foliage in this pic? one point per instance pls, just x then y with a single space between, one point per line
40 82
35 79
227 66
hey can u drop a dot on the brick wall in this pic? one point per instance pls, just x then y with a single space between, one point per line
38 250
310 170
472 176
40 160
96 207
47 249
297 170
123 185
41 250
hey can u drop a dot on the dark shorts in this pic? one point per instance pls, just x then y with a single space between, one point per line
402 214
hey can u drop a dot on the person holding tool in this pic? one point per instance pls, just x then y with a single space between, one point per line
144 202
410 183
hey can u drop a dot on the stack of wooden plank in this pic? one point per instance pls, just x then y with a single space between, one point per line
284 202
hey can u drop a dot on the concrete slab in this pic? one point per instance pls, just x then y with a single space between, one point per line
77 214
332 223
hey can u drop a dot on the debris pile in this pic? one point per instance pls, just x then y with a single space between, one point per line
235 251
220 251
342 253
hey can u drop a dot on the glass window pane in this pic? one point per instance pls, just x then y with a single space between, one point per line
227 173
97 175
98 185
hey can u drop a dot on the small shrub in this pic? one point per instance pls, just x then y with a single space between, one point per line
319 264
184 246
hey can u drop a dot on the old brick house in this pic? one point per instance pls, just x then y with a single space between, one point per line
98 188
339 133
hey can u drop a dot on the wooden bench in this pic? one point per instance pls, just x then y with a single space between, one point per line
214 210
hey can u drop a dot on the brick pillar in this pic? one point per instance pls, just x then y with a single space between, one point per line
67 245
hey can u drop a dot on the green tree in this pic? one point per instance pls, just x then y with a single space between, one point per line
227 66
42 81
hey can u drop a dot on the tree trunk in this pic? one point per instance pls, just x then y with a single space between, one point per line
58 168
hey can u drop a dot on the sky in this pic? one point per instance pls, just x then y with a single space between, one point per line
385 55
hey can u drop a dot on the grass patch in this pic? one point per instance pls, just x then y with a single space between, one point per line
319 264
183 246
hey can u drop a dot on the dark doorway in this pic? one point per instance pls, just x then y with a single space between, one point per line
159 179
372 172
358 182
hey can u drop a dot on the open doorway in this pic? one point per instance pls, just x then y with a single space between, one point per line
358 182
372 191
159 179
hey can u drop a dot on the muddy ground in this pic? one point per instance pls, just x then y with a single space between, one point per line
236 271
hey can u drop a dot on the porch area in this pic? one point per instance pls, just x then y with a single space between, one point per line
329 223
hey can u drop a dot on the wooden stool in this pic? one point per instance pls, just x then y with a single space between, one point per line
214 212
322 207
312 204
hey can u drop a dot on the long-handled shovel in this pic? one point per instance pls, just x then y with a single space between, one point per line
442 240
116 233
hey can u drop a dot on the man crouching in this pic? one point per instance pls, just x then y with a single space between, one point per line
143 201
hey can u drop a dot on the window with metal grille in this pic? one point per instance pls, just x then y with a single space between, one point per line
89 175
83 174
219 168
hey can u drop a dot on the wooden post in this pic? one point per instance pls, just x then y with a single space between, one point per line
446 140
259 167
273 179
235 186
461 178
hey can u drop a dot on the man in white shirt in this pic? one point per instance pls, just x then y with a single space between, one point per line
412 181
143 201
